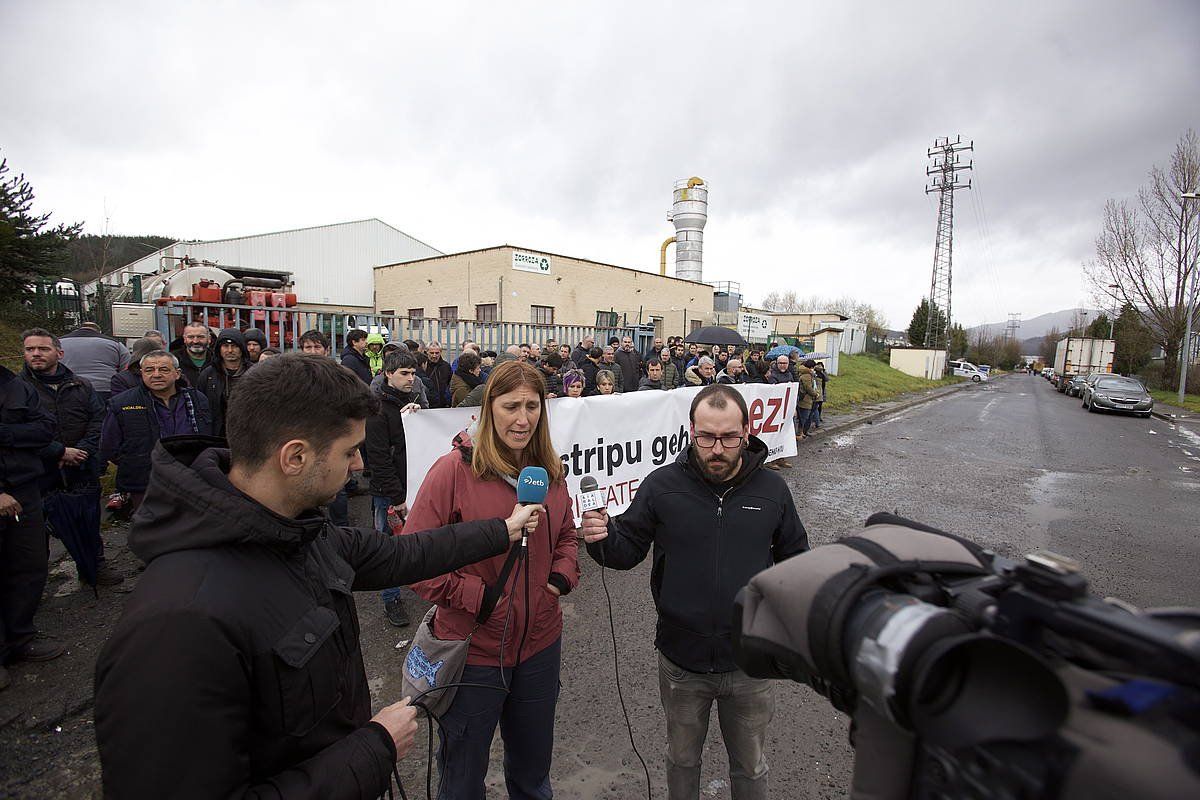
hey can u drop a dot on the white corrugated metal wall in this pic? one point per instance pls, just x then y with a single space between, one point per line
331 264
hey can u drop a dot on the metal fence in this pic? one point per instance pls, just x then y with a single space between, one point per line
284 326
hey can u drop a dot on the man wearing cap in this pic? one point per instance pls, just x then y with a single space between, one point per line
218 378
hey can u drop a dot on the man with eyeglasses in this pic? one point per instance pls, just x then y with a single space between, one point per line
715 518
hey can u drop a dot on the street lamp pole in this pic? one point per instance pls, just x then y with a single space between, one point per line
1189 298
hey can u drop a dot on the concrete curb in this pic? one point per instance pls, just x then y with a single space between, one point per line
883 412
1173 419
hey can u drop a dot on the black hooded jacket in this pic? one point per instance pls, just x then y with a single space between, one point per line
216 382
25 430
78 414
235 669
708 540
386 448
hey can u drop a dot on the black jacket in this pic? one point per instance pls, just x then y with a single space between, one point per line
190 371
708 542
216 386
358 363
439 378
235 669
631 369
131 429
386 449
25 430
78 413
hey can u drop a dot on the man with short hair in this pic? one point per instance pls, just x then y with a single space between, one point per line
580 353
71 483
94 357
355 357
654 376
256 342
387 452
654 349
551 367
314 343
608 361
25 431
714 519
439 374
218 378
704 373
163 406
631 366
734 372
156 335
524 351
196 352
589 368
235 669
535 352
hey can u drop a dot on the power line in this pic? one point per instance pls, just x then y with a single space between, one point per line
944 172
1014 325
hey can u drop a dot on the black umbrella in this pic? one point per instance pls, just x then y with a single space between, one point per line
716 334
75 520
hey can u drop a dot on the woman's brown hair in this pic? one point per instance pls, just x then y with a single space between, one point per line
491 458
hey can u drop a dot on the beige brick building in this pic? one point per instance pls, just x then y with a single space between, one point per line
513 284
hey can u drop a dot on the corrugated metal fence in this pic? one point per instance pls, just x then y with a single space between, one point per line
283 327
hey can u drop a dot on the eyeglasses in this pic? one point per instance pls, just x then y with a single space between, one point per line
707 440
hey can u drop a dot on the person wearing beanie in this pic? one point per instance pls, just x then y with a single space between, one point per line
375 352
256 342
218 378
131 376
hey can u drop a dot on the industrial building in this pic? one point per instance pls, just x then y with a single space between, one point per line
329 266
524 285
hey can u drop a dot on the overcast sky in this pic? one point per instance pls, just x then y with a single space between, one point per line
563 128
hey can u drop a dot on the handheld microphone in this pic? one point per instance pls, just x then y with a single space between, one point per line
591 498
532 485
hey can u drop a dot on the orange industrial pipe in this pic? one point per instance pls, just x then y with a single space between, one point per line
662 256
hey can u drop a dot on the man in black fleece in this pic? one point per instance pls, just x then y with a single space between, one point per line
715 519
235 669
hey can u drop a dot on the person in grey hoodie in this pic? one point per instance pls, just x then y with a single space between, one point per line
653 377
94 357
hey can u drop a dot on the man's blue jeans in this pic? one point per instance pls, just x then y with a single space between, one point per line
379 507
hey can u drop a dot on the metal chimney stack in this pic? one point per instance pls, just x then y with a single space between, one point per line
688 214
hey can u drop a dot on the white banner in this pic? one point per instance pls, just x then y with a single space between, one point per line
617 439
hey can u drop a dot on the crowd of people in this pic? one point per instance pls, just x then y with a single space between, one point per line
300 431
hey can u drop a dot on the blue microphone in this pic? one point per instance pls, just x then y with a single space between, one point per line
532 485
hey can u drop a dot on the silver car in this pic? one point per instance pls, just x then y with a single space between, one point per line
1115 393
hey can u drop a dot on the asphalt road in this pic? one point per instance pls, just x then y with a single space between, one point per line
1011 464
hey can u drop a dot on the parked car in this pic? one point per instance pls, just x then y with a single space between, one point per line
965 369
1075 385
1047 372
1116 393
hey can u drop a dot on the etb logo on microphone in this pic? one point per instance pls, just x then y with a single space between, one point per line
529 480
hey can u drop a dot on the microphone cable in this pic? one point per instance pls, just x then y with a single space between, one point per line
612 627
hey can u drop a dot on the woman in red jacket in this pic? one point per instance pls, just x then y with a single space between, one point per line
477 480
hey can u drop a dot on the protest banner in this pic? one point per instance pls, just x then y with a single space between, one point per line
617 439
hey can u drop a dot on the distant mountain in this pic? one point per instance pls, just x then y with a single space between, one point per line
1039 326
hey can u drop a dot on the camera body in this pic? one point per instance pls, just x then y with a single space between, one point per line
969 675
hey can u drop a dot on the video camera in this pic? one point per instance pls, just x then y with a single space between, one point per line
969 675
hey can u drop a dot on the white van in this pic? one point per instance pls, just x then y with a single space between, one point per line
965 369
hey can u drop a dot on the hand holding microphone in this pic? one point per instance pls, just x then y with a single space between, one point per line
532 485
522 518
594 503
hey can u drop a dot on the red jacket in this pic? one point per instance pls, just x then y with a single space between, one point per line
452 492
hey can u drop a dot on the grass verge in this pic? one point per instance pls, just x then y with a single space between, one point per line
1190 401
863 379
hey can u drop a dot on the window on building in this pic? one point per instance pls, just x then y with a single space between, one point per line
448 313
485 312
388 312
416 313
696 325
541 315
607 319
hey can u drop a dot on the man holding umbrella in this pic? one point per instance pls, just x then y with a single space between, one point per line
71 481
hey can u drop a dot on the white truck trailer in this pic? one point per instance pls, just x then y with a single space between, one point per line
1081 356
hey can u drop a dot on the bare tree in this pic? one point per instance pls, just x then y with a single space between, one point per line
1146 253
789 302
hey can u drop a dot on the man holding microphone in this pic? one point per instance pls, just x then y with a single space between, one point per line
715 519
235 669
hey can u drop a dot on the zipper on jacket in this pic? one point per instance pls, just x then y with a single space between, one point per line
712 651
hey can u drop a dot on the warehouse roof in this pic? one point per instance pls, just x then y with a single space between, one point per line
545 253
